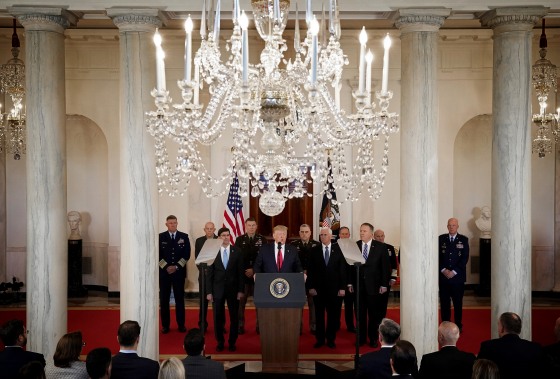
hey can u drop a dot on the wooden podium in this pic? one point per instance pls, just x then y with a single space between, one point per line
279 299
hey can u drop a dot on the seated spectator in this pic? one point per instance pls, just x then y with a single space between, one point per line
126 363
449 362
98 363
403 360
13 357
196 365
66 360
32 370
552 353
171 368
376 363
485 369
515 357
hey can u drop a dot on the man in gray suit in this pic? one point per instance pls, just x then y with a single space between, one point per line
198 366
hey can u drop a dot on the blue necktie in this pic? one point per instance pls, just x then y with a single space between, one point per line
365 252
225 259
326 255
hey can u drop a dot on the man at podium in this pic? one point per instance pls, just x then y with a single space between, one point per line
278 256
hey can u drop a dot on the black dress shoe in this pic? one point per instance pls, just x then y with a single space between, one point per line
318 345
331 345
232 348
182 329
220 347
241 330
164 330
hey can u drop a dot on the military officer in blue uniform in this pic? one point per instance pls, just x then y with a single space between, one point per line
453 258
174 252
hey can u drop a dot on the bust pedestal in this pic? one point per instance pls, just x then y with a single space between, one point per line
75 287
484 288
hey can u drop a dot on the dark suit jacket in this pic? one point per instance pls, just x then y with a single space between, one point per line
448 363
174 252
454 256
13 358
552 355
376 271
224 282
266 260
198 367
392 260
130 365
376 364
515 357
326 279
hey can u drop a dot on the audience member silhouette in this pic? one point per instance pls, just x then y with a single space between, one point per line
98 363
66 360
13 357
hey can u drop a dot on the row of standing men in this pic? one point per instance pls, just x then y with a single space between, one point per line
330 281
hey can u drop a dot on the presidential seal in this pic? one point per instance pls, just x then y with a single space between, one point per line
279 288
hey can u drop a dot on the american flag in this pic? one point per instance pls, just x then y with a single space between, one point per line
233 214
326 223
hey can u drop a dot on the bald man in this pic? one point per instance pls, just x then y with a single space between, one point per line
449 362
453 258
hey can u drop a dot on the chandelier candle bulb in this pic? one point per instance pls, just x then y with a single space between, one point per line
160 65
203 21
387 46
244 24
331 24
308 14
196 83
369 60
217 24
276 11
188 48
236 11
297 36
362 73
315 55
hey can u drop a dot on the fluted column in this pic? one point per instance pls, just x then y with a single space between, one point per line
511 162
419 167
3 224
138 192
47 249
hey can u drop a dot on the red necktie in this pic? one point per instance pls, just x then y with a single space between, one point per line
279 258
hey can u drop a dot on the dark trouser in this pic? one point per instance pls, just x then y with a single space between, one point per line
447 293
203 303
312 311
371 314
385 302
249 290
330 305
349 301
166 281
220 318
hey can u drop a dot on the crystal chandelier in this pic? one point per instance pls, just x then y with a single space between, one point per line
544 81
12 85
286 105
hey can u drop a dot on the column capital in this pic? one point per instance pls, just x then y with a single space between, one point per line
48 19
420 19
513 18
137 19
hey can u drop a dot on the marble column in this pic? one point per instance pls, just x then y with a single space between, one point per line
511 161
47 258
138 192
419 175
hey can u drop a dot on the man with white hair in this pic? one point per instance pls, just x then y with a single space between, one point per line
449 362
326 280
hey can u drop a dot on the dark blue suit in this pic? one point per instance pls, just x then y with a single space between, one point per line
14 357
130 365
266 259
453 256
376 364
224 284
173 253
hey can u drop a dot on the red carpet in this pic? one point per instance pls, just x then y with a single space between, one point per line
99 328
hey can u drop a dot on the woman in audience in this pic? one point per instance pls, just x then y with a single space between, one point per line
171 368
66 360
485 369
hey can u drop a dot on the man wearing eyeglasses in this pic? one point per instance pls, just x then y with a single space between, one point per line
13 357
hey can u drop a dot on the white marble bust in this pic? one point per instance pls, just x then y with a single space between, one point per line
74 219
484 223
